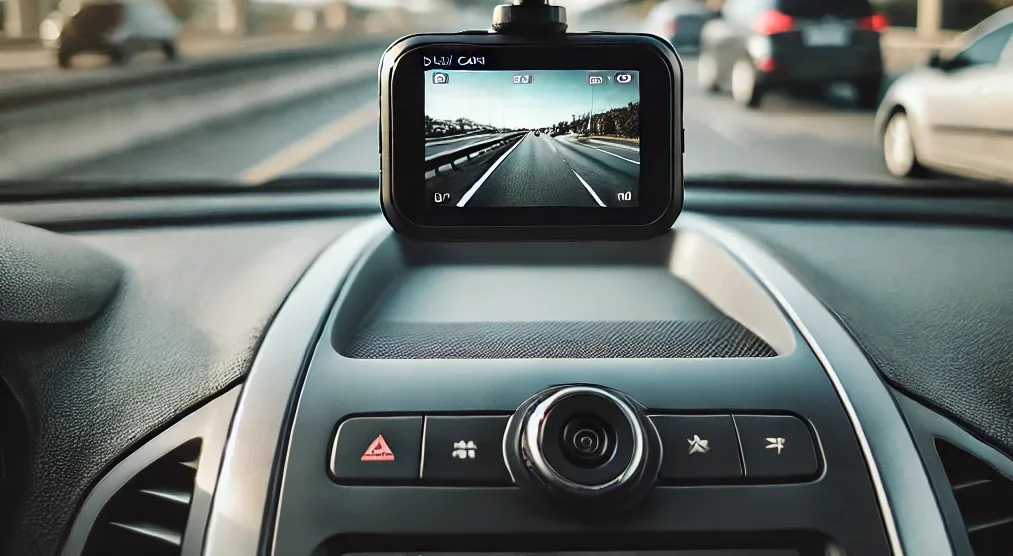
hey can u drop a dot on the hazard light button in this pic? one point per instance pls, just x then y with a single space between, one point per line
377 450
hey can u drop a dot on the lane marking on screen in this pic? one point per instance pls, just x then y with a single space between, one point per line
478 183
608 153
309 146
616 145
588 187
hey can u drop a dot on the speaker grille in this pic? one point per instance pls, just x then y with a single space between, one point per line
714 338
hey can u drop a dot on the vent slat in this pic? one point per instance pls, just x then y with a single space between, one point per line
970 483
148 515
984 497
977 527
152 531
182 497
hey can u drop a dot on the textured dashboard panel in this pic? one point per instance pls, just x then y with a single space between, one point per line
49 278
717 337
931 305
184 325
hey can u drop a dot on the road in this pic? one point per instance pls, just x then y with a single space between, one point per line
539 170
335 132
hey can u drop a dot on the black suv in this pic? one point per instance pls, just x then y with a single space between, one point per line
753 46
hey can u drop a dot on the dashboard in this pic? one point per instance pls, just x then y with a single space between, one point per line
797 376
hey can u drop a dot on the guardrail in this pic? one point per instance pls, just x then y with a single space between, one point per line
454 156
33 94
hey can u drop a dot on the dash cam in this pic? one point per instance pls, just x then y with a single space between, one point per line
524 132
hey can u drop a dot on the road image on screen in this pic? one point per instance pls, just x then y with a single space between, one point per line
539 138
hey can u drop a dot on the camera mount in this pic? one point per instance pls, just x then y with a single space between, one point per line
529 17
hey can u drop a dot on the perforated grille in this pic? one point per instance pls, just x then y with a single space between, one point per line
715 338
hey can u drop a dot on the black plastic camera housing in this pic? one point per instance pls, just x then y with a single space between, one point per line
645 211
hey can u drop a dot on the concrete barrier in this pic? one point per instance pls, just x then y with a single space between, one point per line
28 93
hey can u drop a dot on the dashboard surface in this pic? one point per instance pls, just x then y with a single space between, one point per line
927 302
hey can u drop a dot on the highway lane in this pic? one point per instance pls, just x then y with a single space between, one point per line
613 171
531 173
331 132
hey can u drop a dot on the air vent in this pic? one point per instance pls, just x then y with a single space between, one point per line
984 497
147 516
13 458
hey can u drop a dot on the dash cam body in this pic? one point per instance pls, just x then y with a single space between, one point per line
489 136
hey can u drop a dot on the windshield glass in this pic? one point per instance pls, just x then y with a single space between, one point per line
250 91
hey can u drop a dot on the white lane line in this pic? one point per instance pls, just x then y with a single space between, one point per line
616 145
588 188
606 152
478 183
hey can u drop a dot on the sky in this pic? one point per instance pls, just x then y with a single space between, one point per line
492 98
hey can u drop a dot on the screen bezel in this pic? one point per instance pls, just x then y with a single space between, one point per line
658 171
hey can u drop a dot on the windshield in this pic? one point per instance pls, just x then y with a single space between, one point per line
252 91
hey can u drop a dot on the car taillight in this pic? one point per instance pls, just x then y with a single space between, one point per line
670 27
772 22
874 22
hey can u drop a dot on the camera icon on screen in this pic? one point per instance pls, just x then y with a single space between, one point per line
440 78
623 78
595 80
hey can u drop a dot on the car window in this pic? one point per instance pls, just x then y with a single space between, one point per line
97 18
987 50
847 9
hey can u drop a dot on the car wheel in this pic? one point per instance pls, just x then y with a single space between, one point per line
64 59
899 148
120 56
707 71
744 88
169 51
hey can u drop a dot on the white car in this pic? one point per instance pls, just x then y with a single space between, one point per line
956 113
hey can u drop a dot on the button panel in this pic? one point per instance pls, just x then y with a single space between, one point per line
464 451
735 448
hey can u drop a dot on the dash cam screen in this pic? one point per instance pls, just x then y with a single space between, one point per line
539 138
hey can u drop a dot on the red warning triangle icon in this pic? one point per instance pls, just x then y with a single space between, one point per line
378 451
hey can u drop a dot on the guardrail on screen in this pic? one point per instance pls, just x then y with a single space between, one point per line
457 156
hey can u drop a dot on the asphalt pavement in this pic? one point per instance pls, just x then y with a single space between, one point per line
335 132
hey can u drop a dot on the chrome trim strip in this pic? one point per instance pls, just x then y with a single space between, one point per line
911 516
240 505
